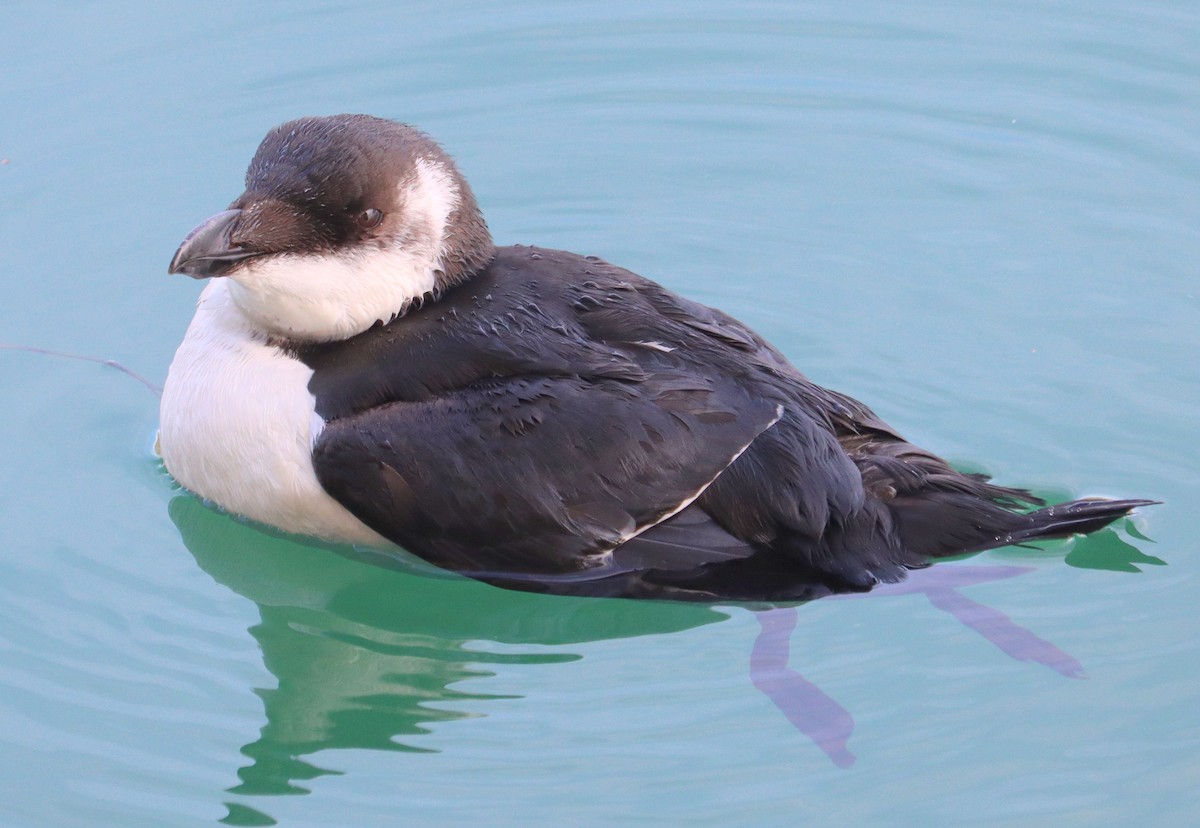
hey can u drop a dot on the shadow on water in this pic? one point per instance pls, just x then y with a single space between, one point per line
371 656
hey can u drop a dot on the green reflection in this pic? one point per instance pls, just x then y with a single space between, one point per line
366 654
1106 550
245 816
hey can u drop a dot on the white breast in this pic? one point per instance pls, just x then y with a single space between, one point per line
238 424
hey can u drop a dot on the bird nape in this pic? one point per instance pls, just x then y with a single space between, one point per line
366 366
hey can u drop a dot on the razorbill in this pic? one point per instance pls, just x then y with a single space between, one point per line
370 369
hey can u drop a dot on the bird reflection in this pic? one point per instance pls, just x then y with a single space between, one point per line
827 723
372 656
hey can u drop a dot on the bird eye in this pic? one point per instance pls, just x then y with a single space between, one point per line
369 218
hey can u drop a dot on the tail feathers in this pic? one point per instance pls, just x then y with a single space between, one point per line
881 544
918 508
938 524
1075 517
887 538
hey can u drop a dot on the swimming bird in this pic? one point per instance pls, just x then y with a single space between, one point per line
366 366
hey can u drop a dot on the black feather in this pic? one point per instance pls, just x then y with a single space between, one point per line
560 424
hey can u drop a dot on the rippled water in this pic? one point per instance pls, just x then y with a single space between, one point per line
983 220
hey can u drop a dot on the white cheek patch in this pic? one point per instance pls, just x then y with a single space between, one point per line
323 297
433 196
318 298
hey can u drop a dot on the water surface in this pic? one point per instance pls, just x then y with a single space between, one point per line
982 220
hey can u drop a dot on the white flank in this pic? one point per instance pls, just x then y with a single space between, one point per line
238 425
319 298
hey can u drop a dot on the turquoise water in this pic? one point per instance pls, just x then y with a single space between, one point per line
982 220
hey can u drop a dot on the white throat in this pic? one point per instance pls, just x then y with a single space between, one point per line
322 297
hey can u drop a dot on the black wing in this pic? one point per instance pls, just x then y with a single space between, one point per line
544 476
554 407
